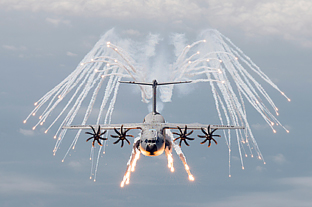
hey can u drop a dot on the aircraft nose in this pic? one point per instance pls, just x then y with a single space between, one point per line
151 149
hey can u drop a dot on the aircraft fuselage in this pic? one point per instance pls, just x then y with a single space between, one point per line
152 141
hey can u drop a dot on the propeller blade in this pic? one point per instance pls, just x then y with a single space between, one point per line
96 136
183 135
189 138
99 143
103 138
93 129
99 130
89 139
121 129
180 130
176 139
180 142
117 132
189 133
203 142
204 131
215 141
208 136
121 135
128 141
116 141
103 133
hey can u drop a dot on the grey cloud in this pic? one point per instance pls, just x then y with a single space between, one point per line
260 169
298 182
57 21
279 159
38 74
286 19
297 193
70 54
14 48
260 126
27 132
113 9
75 165
132 32
14 184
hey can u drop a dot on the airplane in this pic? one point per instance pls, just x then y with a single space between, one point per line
153 140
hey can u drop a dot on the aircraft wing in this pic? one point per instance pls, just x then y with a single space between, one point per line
107 126
196 126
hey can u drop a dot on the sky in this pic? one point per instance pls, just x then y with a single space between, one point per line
43 41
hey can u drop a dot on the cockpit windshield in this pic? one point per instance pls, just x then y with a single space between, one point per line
152 136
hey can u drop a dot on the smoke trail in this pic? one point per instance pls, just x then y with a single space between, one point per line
234 81
179 152
135 155
222 62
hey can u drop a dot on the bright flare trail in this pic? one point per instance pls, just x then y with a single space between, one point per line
213 59
131 165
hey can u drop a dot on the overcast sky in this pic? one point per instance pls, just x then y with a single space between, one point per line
42 41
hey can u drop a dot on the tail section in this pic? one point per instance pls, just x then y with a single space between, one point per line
154 84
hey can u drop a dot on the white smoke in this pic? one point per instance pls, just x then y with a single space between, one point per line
213 60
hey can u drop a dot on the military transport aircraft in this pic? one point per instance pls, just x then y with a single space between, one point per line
153 139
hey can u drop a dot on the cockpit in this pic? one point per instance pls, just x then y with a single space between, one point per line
152 143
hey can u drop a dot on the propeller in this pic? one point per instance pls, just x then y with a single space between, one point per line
183 136
121 135
96 136
208 136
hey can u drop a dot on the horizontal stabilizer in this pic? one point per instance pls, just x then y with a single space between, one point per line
154 83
